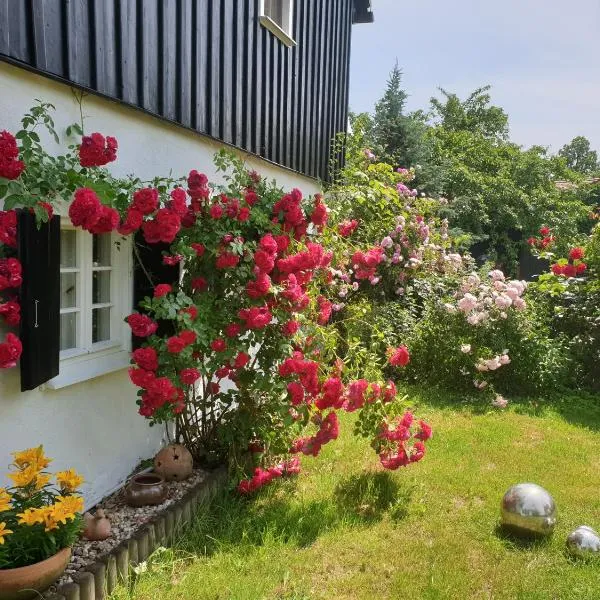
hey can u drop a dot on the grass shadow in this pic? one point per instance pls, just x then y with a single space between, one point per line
513 540
368 496
277 514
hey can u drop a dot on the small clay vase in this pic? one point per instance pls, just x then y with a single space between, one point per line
174 463
145 489
97 526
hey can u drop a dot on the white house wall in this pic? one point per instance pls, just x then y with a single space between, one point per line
94 426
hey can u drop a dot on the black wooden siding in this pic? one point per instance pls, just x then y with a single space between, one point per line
205 64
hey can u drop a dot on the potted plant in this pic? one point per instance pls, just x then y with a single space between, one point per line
39 521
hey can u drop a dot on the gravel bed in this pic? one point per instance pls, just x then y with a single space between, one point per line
125 521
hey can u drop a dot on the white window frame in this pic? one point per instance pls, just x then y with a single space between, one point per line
89 359
283 33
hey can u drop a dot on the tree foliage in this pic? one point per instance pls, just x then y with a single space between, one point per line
579 156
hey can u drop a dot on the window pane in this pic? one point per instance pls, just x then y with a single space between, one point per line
68 290
100 287
101 250
68 248
274 9
68 331
100 325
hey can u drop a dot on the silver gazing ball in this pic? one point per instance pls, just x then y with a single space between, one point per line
528 509
583 541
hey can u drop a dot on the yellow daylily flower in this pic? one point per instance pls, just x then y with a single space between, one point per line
25 476
70 504
31 516
4 500
41 481
32 457
3 532
69 480
61 513
50 523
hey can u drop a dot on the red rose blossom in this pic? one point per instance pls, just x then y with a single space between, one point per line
10 351
218 345
241 360
189 376
162 289
576 253
398 357
10 167
8 228
11 312
232 330
145 200
96 150
146 358
175 344
10 273
86 208
141 325
107 222
199 284
133 221
199 249
188 336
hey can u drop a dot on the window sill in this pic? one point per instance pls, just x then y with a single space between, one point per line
83 370
277 31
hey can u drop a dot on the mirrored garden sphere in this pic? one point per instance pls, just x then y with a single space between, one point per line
528 509
583 541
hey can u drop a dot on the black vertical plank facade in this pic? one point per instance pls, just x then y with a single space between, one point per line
39 253
208 65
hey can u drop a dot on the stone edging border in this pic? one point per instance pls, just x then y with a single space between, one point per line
99 579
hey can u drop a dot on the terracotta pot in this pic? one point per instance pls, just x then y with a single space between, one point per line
97 526
26 582
174 463
145 489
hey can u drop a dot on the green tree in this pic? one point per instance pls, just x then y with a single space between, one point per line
579 155
499 193
399 138
474 114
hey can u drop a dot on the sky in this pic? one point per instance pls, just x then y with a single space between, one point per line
542 58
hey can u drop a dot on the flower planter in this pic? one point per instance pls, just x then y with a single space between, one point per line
146 489
26 582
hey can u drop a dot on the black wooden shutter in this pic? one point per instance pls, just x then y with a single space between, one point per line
151 274
39 253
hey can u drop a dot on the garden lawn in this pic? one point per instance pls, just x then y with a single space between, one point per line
345 528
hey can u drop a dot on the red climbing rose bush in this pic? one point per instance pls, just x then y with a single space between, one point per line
237 351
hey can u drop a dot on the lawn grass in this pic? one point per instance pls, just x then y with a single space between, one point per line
346 529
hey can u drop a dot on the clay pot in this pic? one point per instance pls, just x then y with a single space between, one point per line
174 463
97 526
145 489
26 582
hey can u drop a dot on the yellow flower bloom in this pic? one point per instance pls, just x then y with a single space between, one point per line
4 500
31 516
70 504
69 480
32 457
3 532
41 481
25 476
61 513
50 522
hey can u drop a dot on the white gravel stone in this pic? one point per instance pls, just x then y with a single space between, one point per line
125 522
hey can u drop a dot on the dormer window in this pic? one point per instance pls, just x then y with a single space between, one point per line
278 17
